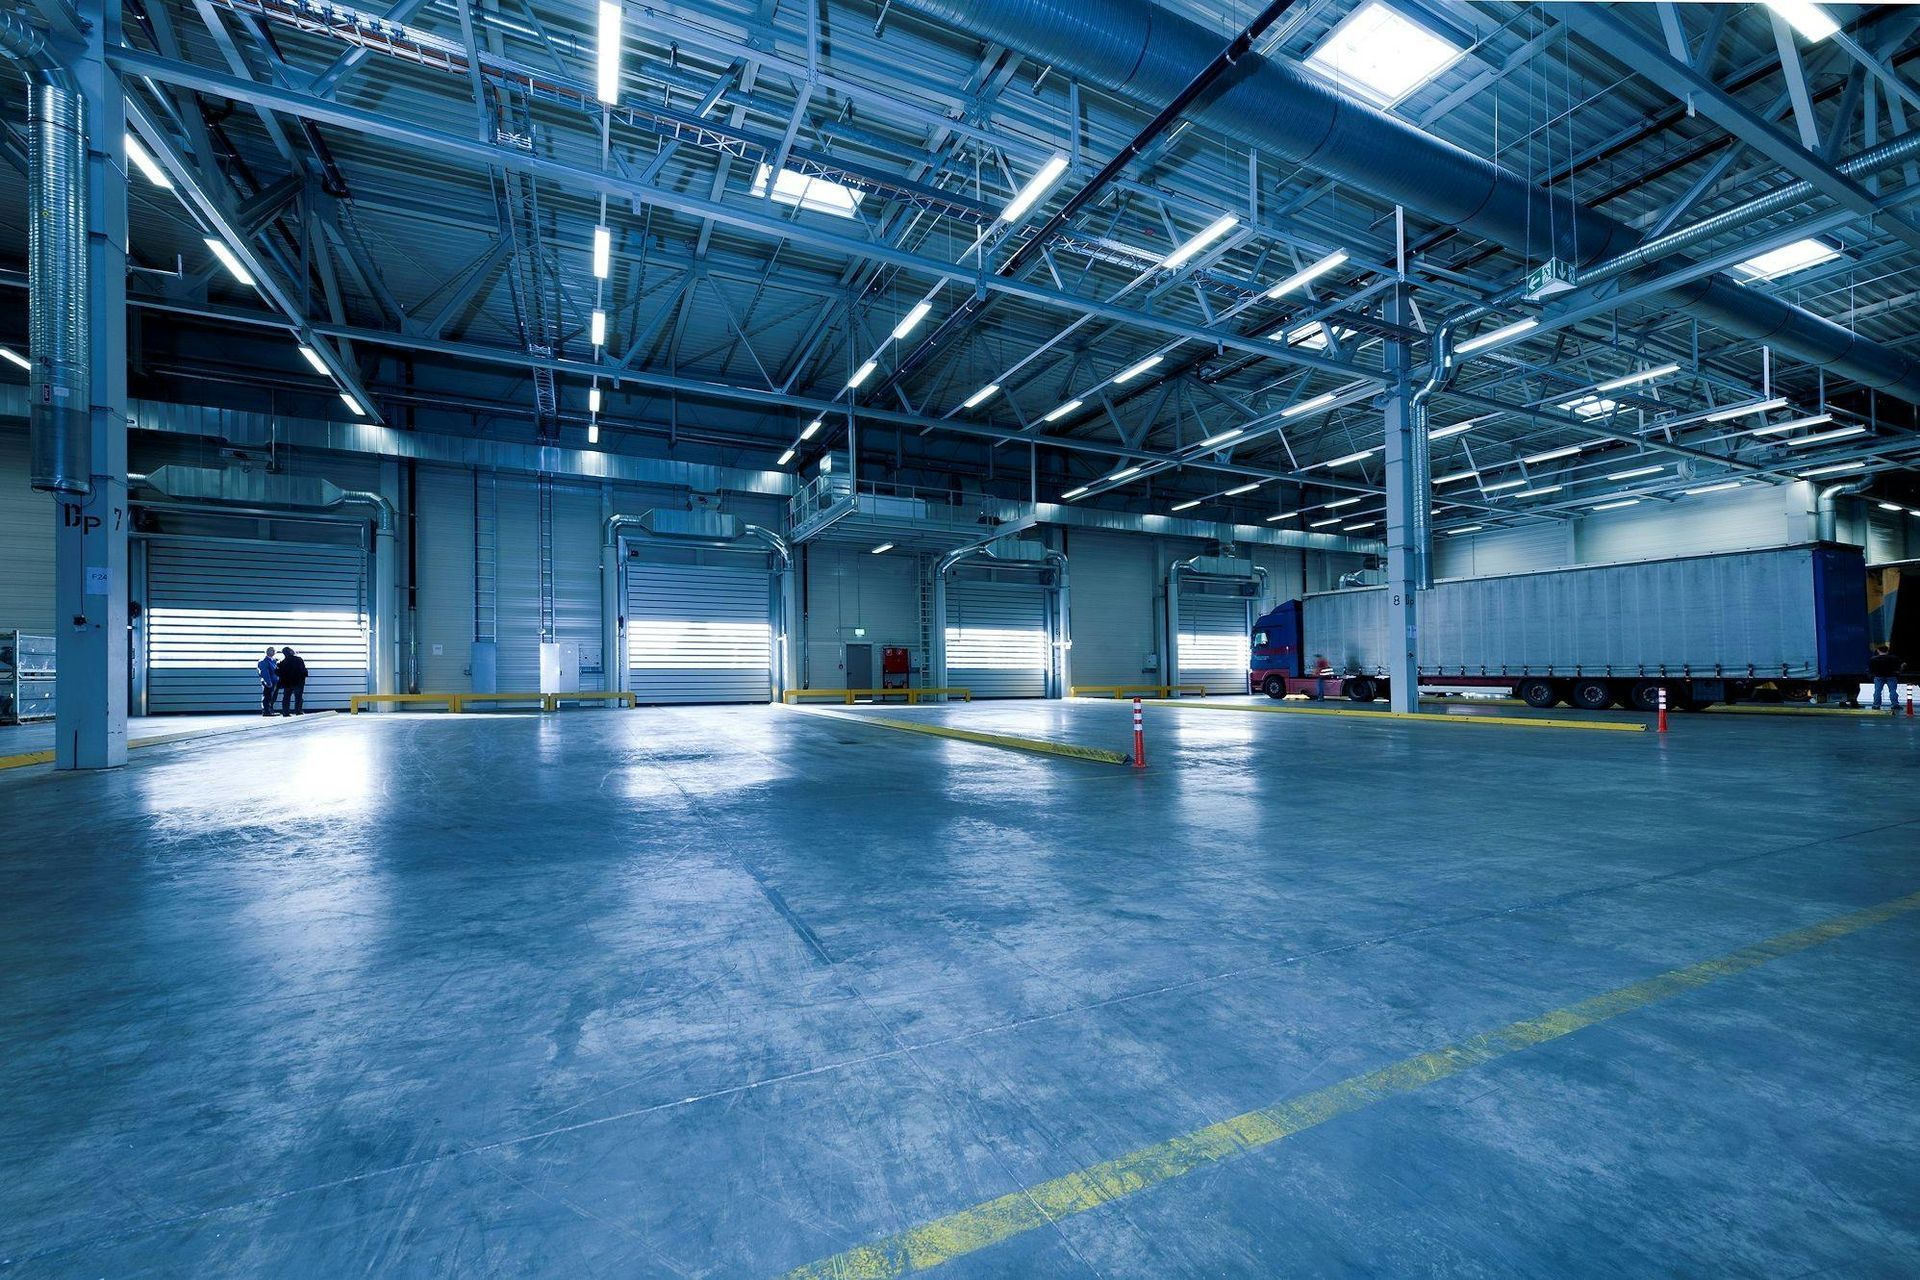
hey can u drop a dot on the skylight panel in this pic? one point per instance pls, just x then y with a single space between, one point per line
1382 54
817 194
1787 259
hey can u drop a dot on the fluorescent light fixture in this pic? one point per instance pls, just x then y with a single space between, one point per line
1208 234
312 357
1037 186
1188 505
1713 488
1074 493
1591 406
1355 528
1634 379
861 374
229 260
1321 524
1787 259
593 433
1812 420
597 327
1342 502
1457 428
1634 473
1465 528
602 252
885 546
1308 274
1456 477
1237 490
14 357
1133 371
593 399
608 51
1223 437
353 406
981 396
785 458
1615 506
1062 411
1551 454
1125 473
806 432
1382 53
911 321
797 190
1742 410
1282 515
1540 492
1320 401
1890 506
1501 334
1345 459
1809 19
1838 468
1311 336
1821 437
146 165
1504 484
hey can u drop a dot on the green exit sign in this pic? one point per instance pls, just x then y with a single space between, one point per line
1550 277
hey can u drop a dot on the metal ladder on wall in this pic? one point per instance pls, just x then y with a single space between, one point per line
923 574
486 556
545 483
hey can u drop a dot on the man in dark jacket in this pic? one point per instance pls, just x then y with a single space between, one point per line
269 682
293 683
1884 666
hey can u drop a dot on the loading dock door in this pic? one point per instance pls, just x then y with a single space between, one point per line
699 633
1214 641
213 607
997 638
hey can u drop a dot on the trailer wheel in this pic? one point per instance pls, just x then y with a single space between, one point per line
1360 689
1538 693
1274 687
1592 695
1645 695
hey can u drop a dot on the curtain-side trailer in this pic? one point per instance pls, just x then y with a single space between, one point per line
1782 622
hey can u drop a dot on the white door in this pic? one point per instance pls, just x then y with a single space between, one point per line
1214 642
213 608
997 638
699 633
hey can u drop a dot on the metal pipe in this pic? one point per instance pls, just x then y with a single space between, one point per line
1826 514
1420 516
57 289
1135 48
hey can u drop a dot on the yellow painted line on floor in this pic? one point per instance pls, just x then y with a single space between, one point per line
1788 709
1529 722
46 757
994 1221
1009 741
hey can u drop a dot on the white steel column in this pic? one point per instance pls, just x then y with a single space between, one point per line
90 539
1404 479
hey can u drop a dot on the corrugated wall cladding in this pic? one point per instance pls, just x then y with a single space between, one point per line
1761 515
849 588
1112 582
26 543
443 615
1541 546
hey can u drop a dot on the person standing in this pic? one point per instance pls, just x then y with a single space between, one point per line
1320 673
1884 666
269 682
293 683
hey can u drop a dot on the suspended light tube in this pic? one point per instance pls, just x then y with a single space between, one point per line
602 252
981 396
1501 334
1634 379
1037 186
1211 232
911 321
1308 274
1135 370
230 260
1062 411
607 82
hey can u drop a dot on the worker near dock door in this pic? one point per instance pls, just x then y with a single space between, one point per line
269 682
1884 666
293 683
1320 673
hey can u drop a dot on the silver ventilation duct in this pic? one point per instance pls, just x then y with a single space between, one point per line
1144 52
61 413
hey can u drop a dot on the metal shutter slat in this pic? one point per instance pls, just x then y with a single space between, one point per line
997 638
1214 641
699 633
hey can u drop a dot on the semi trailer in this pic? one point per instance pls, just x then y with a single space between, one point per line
1784 623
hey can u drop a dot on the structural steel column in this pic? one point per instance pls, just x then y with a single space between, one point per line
90 538
1404 481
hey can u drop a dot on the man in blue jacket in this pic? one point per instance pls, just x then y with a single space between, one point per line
269 682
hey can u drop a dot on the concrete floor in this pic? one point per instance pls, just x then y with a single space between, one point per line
721 992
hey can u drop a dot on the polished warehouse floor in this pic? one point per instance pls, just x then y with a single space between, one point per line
718 992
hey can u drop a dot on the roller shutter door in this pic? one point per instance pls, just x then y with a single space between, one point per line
699 633
997 638
214 607
1214 642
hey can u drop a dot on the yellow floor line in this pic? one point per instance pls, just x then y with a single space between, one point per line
970 1230
46 757
1006 740
1529 722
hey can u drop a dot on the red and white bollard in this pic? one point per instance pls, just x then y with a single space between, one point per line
1139 738
1909 702
1663 709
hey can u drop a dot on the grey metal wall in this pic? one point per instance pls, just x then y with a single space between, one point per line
850 589
26 540
443 616
1114 578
